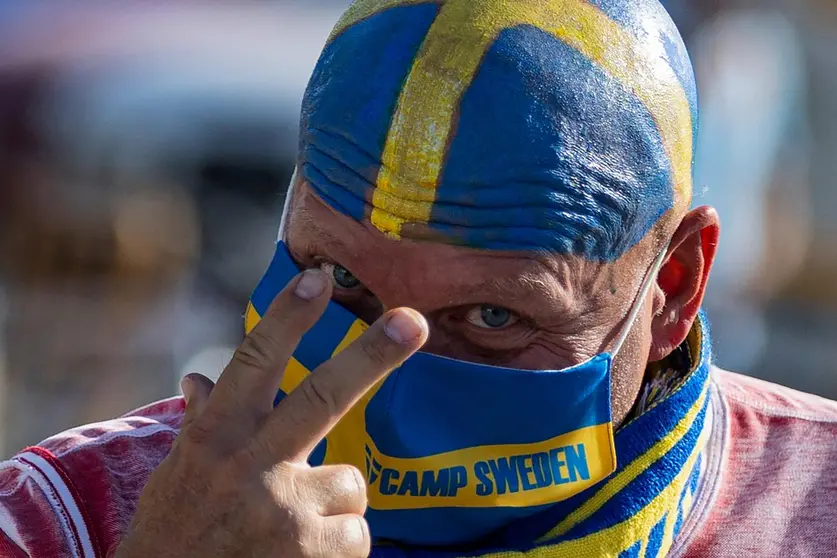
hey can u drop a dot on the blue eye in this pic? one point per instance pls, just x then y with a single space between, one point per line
488 316
341 276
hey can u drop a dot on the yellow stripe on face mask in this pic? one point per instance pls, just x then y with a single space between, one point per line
516 475
251 318
448 61
342 446
345 441
295 372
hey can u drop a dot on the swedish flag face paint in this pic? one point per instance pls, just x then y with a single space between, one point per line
453 450
564 125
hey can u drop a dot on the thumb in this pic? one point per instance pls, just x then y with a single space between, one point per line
196 389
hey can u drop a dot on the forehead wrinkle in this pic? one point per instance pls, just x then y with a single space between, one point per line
576 283
306 213
532 285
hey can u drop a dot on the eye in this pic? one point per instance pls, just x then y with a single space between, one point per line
341 276
487 316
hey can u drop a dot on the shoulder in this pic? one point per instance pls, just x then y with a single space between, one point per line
777 457
778 440
83 484
745 394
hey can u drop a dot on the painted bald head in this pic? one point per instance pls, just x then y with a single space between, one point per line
559 125
511 169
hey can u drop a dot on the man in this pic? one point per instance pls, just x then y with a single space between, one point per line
506 184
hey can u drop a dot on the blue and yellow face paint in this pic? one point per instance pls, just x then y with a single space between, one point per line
561 125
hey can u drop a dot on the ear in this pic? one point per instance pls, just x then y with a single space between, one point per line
682 279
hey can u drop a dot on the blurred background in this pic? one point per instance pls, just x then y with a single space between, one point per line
145 150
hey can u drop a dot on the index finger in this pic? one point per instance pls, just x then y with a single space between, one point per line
249 382
310 411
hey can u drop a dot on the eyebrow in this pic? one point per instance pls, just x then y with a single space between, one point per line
325 237
551 297
538 279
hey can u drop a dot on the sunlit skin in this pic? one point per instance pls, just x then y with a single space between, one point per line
521 310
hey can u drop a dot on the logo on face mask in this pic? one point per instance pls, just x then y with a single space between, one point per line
373 468
528 472
393 479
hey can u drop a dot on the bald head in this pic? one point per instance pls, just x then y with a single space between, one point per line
561 125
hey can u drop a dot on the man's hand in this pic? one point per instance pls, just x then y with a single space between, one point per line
236 483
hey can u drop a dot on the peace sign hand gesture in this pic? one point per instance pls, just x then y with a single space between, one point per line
236 482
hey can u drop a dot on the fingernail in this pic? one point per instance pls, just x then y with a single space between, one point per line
405 326
186 386
311 284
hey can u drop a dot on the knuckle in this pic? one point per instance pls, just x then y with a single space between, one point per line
285 487
313 539
294 527
347 536
322 542
200 440
354 537
199 433
354 482
346 490
375 351
319 396
257 351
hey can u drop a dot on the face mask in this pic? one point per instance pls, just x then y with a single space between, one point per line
453 450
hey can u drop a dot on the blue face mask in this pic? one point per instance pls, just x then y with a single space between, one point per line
453 450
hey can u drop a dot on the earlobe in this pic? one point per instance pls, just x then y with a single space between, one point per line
683 279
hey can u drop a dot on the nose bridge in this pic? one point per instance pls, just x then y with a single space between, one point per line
396 294
398 282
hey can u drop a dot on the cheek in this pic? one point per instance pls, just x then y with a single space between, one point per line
439 343
629 369
550 356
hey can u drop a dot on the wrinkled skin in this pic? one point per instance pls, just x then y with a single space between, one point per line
566 309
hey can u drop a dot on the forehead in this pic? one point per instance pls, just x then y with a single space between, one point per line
314 220
563 125
432 275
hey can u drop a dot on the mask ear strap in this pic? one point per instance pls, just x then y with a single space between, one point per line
649 281
289 194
